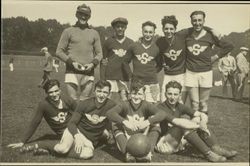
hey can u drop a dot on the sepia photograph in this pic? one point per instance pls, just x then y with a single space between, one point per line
125 82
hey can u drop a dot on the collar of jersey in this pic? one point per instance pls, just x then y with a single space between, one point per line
81 26
135 107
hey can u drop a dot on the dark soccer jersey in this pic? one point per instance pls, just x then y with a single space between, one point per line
173 53
90 118
199 52
116 52
145 62
135 113
171 113
56 118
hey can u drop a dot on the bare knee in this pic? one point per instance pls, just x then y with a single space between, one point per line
87 153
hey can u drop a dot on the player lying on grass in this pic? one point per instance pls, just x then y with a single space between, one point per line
56 109
205 142
135 116
86 128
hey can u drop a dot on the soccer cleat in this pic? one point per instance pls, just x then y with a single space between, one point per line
130 158
213 157
40 151
223 152
145 159
28 148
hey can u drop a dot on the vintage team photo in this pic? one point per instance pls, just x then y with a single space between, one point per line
125 82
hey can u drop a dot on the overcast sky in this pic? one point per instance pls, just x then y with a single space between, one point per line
225 18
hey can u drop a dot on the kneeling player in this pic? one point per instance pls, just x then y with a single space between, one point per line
87 125
205 142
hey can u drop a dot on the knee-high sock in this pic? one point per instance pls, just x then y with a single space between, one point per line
194 139
153 137
121 142
209 140
48 144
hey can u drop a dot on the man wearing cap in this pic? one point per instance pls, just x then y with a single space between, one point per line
115 50
242 71
80 48
48 66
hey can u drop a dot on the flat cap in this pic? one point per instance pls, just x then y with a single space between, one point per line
244 48
84 9
119 19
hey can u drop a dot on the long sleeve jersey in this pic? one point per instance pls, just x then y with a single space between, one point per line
134 113
171 113
90 118
226 64
199 51
82 45
173 54
116 52
57 118
145 62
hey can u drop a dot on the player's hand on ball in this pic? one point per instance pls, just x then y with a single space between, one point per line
16 145
88 66
130 125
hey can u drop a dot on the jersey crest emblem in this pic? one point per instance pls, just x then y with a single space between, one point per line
196 49
95 119
172 54
144 58
135 119
61 117
120 52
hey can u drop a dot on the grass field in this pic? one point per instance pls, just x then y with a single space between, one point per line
229 120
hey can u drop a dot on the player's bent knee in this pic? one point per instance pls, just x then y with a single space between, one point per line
87 153
62 149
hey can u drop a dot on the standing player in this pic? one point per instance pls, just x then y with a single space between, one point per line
11 63
173 53
199 61
145 58
227 66
87 125
80 48
115 50
134 116
56 109
242 71
48 66
172 132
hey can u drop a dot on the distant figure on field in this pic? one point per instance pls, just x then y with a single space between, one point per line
11 63
56 64
48 66
242 71
227 67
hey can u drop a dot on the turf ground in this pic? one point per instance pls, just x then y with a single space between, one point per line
229 120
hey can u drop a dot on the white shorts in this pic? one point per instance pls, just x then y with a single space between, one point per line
117 85
199 79
152 93
78 79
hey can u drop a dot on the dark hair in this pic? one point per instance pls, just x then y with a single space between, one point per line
169 19
136 85
102 84
50 83
149 23
198 12
173 84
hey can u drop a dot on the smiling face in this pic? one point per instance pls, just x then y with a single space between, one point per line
82 17
197 21
169 30
172 95
120 29
54 93
138 96
148 33
101 94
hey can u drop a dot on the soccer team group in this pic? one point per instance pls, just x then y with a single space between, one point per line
127 101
